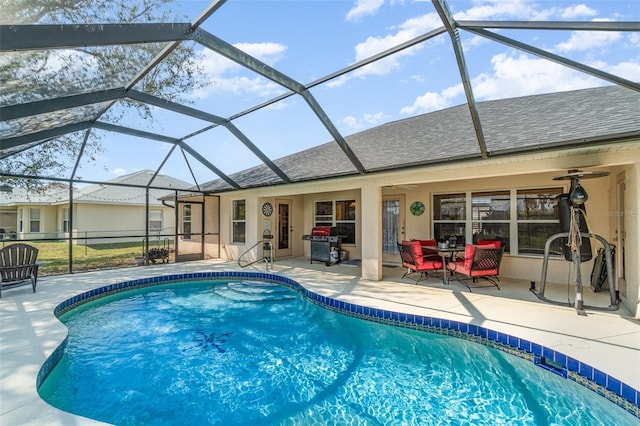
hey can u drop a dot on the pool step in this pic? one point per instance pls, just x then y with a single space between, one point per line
253 291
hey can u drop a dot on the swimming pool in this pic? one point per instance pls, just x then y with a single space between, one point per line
257 353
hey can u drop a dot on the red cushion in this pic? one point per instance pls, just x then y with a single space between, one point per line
425 251
417 252
469 250
430 264
494 243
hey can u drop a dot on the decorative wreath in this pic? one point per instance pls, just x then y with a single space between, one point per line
417 208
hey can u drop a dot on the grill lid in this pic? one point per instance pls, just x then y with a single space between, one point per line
322 231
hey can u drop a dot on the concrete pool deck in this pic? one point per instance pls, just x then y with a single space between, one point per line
607 340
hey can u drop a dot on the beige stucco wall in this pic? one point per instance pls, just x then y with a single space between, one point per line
106 220
510 172
47 222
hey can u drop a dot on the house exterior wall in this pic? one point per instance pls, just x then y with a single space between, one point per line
47 222
8 223
535 170
99 223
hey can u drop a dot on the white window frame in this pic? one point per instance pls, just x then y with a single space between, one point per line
155 216
35 220
237 221
513 221
186 221
66 223
332 219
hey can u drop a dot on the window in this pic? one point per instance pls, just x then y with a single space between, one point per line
449 216
341 214
21 221
324 213
489 216
34 220
538 219
66 224
186 222
155 221
238 221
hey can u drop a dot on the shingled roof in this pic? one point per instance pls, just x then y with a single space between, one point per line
515 125
126 189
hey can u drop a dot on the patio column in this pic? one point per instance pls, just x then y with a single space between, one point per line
371 231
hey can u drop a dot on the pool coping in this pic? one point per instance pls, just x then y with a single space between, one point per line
556 362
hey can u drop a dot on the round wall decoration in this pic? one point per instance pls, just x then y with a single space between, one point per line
417 208
267 209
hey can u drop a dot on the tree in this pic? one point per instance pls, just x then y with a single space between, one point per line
31 76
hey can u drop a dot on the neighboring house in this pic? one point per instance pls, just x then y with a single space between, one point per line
101 212
434 160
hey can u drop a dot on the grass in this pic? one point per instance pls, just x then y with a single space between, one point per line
55 256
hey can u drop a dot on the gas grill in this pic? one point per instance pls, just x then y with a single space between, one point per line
324 240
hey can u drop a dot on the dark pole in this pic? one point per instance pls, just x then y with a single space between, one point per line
70 227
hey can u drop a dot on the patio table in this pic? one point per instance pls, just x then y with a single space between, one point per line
445 253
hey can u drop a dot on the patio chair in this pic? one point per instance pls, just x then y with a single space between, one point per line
426 252
18 264
480 262
414 260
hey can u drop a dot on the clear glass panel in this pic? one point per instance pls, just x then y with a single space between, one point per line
390 226
346 210
538 204
443 231
492 231
238 232
348 230
494 205
238 212
449 207
324 212
532 238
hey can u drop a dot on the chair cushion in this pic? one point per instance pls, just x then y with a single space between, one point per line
417 252
431 264
427 242
469 251
426 252
490 243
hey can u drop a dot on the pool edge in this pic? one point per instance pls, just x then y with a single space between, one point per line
609 387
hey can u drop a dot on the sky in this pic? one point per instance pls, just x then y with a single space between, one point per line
308 40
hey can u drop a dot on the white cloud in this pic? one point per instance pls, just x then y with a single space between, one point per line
224 74
585 40
521 9
366 121
351 122
577 11
364 8
118 172
522 75
431 101
629 70
408 30
499 9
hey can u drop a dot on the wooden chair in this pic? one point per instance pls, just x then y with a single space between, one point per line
414 260
18 264
481 261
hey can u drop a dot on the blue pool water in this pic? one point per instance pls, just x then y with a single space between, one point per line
255 353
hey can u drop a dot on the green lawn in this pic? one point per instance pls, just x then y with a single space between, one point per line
55 256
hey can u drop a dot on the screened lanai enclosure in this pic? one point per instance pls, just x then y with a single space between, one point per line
113 114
